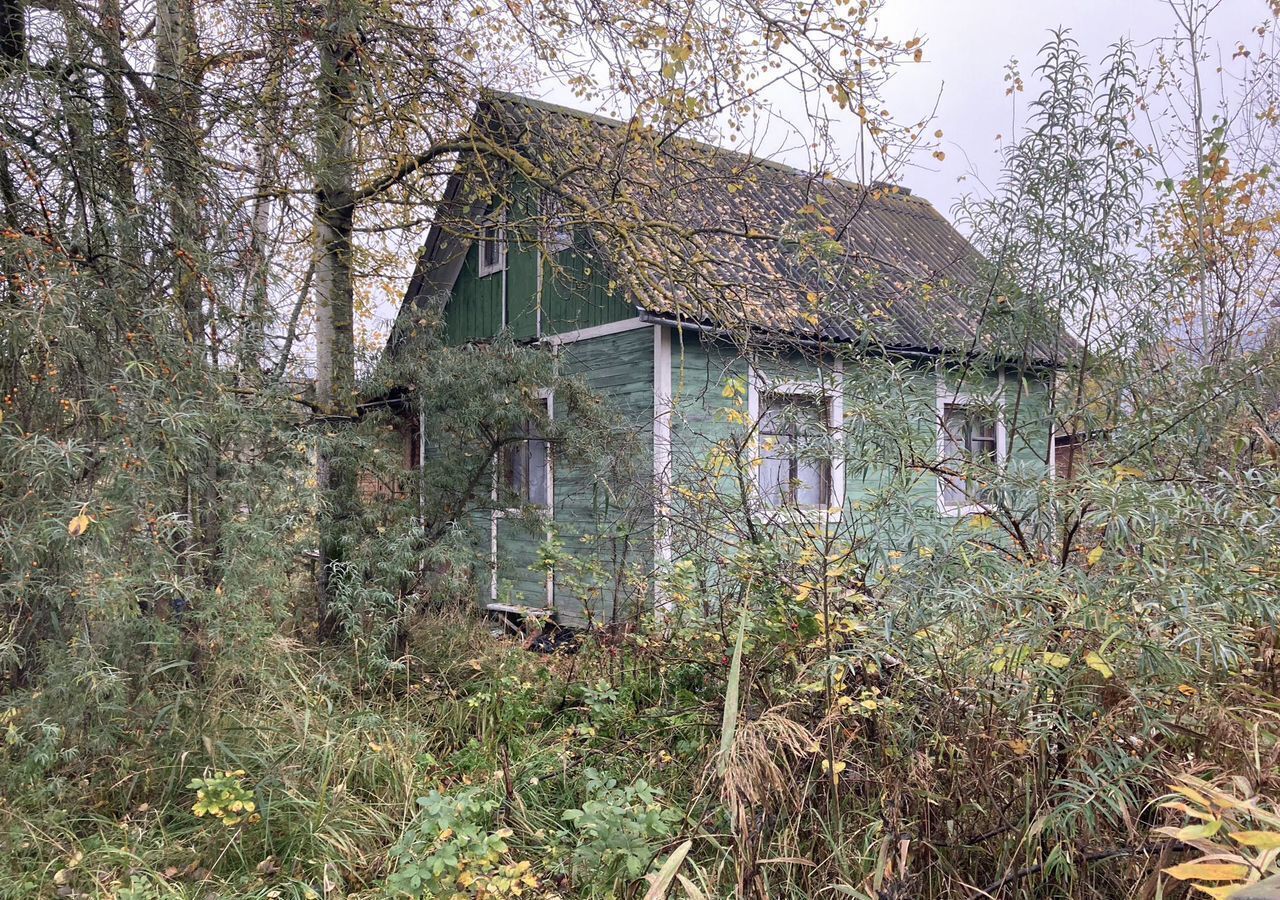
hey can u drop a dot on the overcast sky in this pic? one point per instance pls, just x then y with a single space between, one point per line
970 43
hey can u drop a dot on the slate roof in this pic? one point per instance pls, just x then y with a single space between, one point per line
698 233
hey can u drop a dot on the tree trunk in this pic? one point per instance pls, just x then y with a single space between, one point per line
178 121
177 91
335 303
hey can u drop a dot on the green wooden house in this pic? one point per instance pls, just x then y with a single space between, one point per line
716 300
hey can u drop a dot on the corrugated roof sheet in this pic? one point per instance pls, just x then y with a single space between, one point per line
700 233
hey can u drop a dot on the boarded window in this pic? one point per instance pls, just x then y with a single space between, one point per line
795 465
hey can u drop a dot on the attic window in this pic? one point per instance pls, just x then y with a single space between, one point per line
493 244
554 232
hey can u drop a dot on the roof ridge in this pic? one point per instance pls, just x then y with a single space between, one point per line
764 161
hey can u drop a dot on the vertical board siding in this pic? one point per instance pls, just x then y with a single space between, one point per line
904 393
576 294
576 291
603 520
603 516
474 309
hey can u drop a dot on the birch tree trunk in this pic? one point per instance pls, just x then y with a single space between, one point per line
178 118
176 49
332 284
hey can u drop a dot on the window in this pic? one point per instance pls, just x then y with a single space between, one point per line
526 464
493 244
970 439
554 232
795 467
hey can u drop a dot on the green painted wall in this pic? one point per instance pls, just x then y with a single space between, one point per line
575 290
474 310
576 294
889 427
604 514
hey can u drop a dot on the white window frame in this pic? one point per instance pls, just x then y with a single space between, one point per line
830 390
953 397
546 509
554 234
497 223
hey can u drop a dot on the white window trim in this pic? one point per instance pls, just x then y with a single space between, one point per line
548 513
546 510
947 396
831 389
497 220
555 236
662 414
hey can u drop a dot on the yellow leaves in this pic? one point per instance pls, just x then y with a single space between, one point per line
1019 747
1250 854
78 525
677 55
1207 871
1199 832
1187 810
1258 840
1218 893
680 52
1187 690
1098 664
1055 660
1123 472
835 770
1191 794
1094 555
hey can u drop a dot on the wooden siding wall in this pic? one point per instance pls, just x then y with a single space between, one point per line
576 292
702 414
603 516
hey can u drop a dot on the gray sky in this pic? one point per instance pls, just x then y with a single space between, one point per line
968 44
